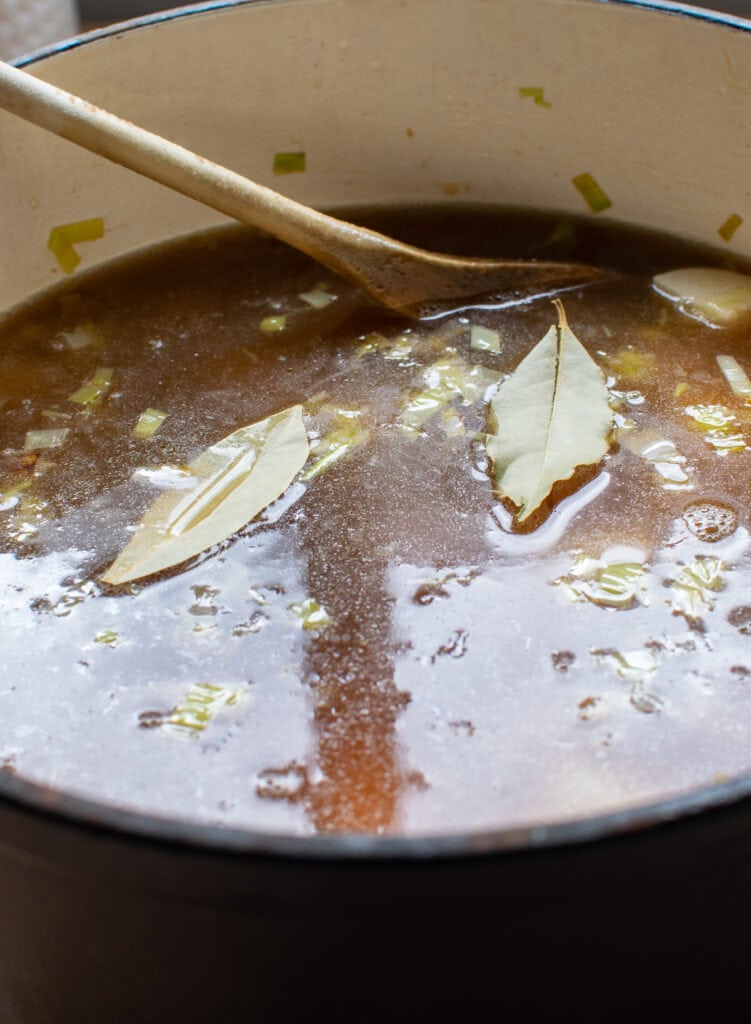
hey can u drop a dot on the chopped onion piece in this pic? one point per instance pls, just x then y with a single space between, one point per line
37 439
736 376
317 298
81 337
716 297
311 614
484 339
148 423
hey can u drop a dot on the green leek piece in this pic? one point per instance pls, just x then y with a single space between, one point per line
289 163
720 427
633 665
736 377
346 434
630 364
535 92
91 392
694 586
484 339
372 343
38 439
10 496
398 350
608 584
312 615
318 297
596 199
28 514
107 637
273 324
198 707
727 229
148 423
65 236
447 379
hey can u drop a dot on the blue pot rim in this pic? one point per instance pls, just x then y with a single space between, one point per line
70 810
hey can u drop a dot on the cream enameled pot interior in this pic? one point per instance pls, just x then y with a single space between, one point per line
396 101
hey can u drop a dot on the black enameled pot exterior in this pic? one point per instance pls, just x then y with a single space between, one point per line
107 916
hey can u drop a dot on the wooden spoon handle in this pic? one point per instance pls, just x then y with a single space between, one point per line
163 161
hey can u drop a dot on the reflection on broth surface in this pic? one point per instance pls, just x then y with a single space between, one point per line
384 649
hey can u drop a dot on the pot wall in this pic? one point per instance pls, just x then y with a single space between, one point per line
96 926
393 101
397 101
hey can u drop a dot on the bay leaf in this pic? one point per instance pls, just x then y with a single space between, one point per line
550 416
236 479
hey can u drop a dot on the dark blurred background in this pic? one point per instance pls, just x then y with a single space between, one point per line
28 25
117 10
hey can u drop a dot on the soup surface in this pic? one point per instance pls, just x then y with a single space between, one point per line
384 649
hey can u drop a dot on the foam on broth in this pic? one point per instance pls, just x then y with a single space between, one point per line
462 674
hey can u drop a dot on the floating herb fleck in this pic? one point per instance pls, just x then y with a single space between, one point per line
549 417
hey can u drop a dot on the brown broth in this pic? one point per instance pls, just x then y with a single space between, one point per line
454 687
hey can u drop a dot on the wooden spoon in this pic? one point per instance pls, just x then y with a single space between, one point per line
400 276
